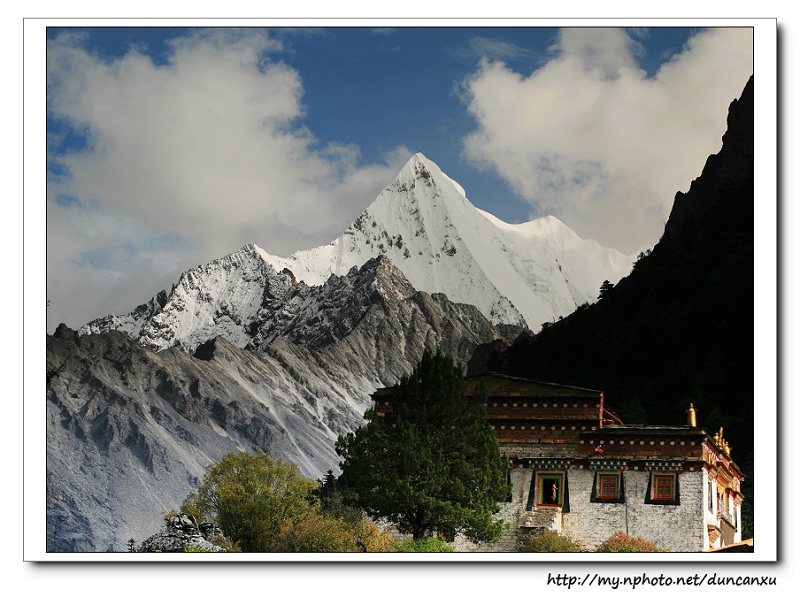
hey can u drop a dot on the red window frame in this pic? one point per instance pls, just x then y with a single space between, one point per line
608 485
663 487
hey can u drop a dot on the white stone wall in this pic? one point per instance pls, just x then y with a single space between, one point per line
587 522
678 528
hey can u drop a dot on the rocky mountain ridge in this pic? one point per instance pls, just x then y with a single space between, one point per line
524 274
131 429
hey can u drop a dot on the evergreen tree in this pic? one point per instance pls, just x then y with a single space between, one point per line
432 465
604 288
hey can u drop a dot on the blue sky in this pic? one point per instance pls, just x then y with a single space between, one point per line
353 90
171 147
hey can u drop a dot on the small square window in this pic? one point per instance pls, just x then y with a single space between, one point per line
608 487
663 489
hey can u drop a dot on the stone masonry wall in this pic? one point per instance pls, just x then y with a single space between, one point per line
591 523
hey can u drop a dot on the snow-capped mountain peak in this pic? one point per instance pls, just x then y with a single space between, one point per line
527 273
425 227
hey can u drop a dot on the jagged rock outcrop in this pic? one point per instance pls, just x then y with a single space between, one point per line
226 297
182 533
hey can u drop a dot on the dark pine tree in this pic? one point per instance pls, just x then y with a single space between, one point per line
432 465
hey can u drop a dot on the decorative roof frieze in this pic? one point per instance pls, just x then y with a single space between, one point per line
664 466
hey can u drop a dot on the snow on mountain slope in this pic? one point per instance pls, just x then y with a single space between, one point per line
526 273
222 298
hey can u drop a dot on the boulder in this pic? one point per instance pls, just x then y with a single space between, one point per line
182 531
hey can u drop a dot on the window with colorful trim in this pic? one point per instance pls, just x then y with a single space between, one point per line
663 489
608 487
550 489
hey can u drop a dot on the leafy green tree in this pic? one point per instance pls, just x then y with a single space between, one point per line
432 465
337 501
251 496
265 505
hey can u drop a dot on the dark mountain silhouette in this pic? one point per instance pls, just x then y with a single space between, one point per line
679 328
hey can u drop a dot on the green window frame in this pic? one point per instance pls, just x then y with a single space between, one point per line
550 490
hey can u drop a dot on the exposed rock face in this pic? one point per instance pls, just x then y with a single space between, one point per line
182 532
226 297
131 430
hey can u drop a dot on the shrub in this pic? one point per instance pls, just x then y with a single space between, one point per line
226 544
314 532
424 545
619 542
318 532
370 538
551 542
191 505
196 549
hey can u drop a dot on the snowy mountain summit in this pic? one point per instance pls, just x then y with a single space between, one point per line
521 274
424 226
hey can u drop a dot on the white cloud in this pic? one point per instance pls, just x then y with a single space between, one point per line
185 162
494 49
588 137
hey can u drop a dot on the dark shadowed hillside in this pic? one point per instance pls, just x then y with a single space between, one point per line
679 328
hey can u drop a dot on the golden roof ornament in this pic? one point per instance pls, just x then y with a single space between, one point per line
691 416
720 441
